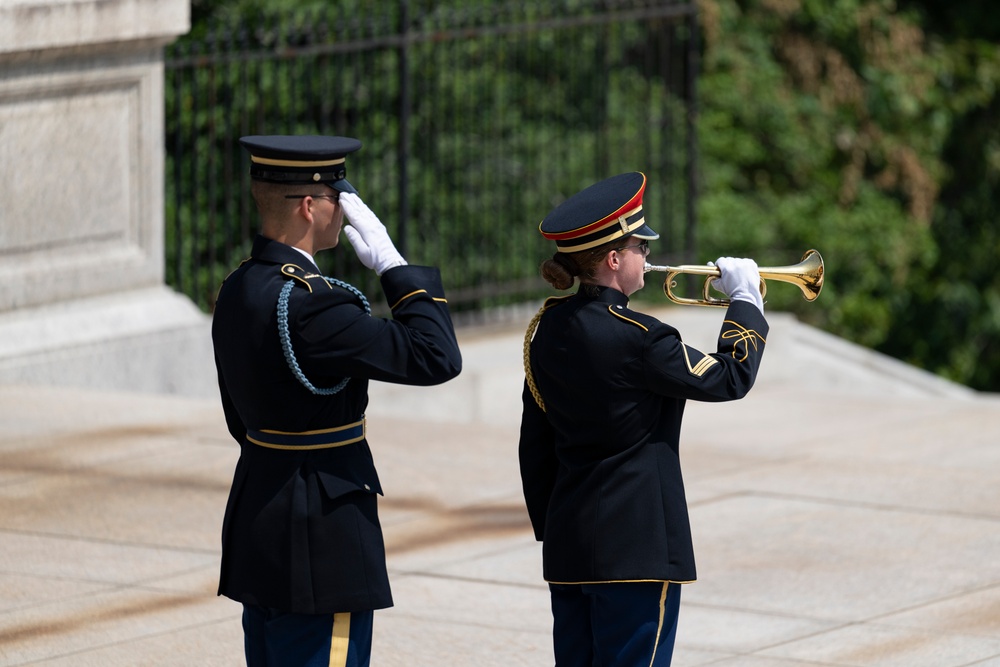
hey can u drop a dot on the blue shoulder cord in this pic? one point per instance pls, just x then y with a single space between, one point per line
286 339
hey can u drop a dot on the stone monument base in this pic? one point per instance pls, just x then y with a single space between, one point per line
82 299
147 340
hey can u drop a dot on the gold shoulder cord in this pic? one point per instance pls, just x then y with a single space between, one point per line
528 335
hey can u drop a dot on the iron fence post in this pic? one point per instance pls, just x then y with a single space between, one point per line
692 130
404 127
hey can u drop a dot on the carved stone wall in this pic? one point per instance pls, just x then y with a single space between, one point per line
81 196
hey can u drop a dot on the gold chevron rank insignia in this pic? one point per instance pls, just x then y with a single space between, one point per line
699 368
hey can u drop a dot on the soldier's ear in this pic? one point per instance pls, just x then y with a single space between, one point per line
612 260
305 208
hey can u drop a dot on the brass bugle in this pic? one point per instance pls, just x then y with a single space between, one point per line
807 274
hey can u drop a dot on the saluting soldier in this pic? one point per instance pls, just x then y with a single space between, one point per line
302 547
604 392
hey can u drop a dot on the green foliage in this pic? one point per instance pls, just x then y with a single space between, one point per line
844 126
864 128
499 128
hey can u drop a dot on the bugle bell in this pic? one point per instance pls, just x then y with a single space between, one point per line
807 274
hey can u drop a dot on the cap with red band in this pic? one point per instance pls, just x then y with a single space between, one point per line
605 211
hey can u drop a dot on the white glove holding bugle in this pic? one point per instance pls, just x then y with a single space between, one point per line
739 280
368 236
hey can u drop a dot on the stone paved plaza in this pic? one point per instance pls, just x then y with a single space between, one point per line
846 513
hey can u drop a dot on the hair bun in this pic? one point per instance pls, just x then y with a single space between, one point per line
567 262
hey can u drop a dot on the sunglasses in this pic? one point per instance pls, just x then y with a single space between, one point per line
334 198
642 245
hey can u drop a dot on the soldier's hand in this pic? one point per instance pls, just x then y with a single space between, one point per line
368 236
740 280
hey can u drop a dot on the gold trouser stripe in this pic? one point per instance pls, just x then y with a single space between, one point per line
659 624
340 639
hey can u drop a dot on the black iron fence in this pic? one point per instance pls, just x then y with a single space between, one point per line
477 117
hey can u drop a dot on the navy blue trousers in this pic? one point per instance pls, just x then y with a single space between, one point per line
629 624
273 638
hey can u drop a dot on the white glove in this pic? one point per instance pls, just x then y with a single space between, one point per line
740 280
368 236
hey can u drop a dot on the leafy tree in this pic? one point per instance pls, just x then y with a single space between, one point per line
867 129
952 320
500 127
844 125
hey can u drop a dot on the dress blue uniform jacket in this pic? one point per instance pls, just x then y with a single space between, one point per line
600 467
301 530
